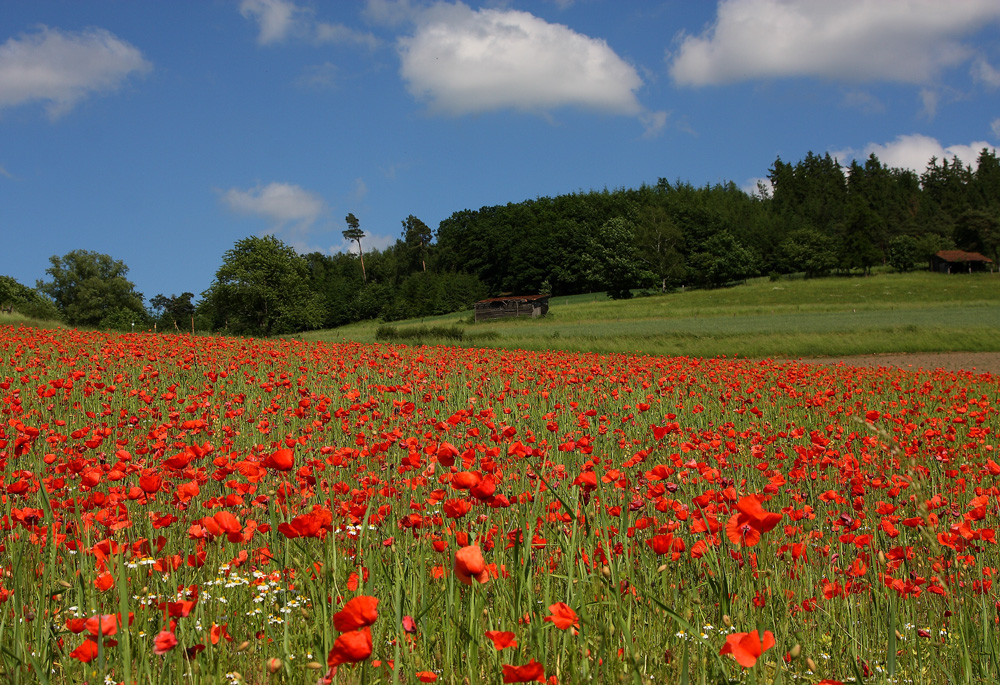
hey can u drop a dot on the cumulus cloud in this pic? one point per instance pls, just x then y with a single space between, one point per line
370 241
986 73
758 186
910 41
915 151
465 61
279 20
276 19
289 210
62 68
283 205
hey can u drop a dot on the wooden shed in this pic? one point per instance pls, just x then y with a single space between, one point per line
957 261
512 306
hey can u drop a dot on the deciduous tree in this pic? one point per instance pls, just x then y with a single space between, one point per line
262 289
88 286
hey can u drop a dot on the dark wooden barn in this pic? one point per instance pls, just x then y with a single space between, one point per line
512 306
957 261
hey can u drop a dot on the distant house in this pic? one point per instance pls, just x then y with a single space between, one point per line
957 261
512 306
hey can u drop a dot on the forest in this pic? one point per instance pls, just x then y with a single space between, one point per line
814 217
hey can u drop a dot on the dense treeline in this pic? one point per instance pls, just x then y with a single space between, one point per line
814 217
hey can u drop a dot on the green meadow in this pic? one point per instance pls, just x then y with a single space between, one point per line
882 313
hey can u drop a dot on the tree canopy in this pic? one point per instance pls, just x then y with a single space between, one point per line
262 289
89 287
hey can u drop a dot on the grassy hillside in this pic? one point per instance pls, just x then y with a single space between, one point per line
917 312
17 319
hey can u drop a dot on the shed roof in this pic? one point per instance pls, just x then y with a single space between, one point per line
514 298
961 256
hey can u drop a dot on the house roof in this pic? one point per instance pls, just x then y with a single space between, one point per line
514 298
960 256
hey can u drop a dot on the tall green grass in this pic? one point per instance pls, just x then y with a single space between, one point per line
917 312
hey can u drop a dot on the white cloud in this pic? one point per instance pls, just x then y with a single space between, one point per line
986 73
61 68
279 20
758 186
915 151
389 12
318 77
359 191
929 100
343 35
370 241
281 204
464 61
864 101
276 19
910 41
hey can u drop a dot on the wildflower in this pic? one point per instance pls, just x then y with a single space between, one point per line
501 639
282 460
357 613
470 565
746 648
86 652
528 673
164 642
563 617
351 647
746 527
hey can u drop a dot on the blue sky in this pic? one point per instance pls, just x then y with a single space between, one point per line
163 132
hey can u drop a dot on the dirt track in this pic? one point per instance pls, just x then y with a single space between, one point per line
981 362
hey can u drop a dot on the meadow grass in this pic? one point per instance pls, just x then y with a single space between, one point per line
916 312
365 449
18 319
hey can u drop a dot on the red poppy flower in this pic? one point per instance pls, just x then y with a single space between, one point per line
528 673
746 527
563 617
470 565
501 639
164 642
425 676
105 625
357 613
282 460
351 647
746 648
86 652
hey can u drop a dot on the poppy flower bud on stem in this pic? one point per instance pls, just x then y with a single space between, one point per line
810 664
727 621
796 651
274 665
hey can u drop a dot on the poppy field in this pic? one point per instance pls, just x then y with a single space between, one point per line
195 509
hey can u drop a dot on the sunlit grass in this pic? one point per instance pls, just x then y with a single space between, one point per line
917 312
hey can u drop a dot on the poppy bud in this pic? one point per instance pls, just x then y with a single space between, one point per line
796 651
810 664
314 665
727 620
243 646
274 665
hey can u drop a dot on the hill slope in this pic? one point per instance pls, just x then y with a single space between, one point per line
885 313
